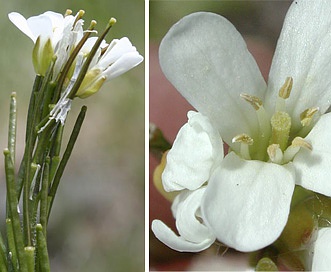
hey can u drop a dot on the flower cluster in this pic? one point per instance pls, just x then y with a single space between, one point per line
85 62
68 64
277 132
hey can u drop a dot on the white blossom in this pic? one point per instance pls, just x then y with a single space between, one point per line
278 133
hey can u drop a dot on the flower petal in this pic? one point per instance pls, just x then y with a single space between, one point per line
123 64
20 22
322 249
186 205
207 60
313 167
169 238
303 53
194 235
196 149
41 25
247 203
116 49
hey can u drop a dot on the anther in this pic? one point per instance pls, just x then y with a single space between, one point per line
283 94
294 148
243 138
307 116
285 90
253 100
300 142
275 153
245 141
68 12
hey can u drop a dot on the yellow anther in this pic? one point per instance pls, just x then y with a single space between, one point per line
79 16
307 116
243 138
81 13
275 153
112 21
253 100
300 142
285 90
68 12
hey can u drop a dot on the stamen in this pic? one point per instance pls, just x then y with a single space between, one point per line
283 94
263 119
253 100
243 138
307 116
281 125
298 141
294 148
245 141
68 12
275 153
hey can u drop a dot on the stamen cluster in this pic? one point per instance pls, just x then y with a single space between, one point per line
276 141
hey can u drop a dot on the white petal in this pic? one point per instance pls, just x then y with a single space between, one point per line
122 65
57 19
193 235
207 60
115 51
188 226
303 52
20 22
196 149
168 237
247 203
322 251
313 167
41 25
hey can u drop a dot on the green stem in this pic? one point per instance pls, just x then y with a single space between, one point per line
29 255
11 244
13 203
43 196
65 158
3 262
42 250
66 68
88 61
12 126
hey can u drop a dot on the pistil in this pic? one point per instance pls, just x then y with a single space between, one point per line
280 129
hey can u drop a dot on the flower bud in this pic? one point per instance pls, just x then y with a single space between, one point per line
42 56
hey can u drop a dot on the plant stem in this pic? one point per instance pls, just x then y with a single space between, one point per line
42 250
14 216
65 158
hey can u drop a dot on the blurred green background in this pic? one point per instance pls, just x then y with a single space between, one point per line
97 222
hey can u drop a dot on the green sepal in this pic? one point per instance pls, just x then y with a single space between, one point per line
266 264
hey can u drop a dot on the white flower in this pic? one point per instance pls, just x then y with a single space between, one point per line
52 33
193 166
194 236
278 133
120 57
321 251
